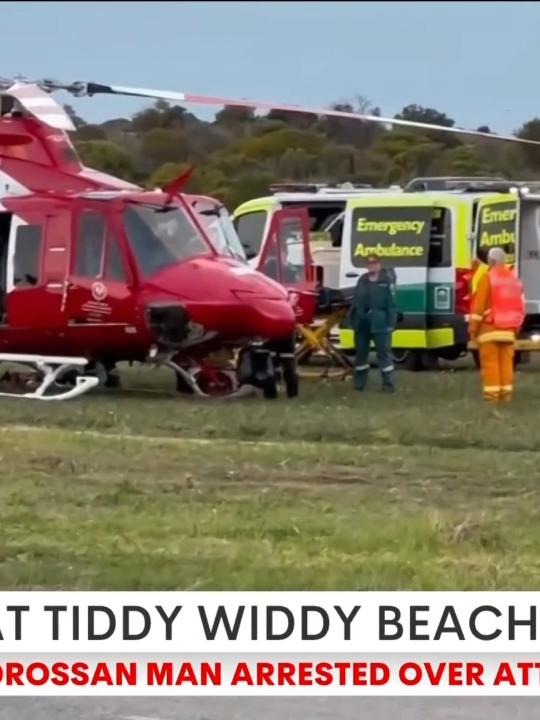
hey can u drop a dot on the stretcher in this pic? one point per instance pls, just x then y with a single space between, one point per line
316 340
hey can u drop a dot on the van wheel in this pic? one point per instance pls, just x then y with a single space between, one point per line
430 360
414 361
399 355
420 360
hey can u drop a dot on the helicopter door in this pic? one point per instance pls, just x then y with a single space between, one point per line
285 254
36 270
286 257
100 294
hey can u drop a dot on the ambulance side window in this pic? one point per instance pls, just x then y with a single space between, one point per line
250 228
440 239
90 244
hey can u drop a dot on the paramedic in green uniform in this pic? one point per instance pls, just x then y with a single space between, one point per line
373 316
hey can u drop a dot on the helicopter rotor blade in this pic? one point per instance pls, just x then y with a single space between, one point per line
92 88
41 105
88 89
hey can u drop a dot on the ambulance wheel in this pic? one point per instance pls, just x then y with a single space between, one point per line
399 355
421 360
430 360
414 361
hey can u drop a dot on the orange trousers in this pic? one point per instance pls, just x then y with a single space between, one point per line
497 369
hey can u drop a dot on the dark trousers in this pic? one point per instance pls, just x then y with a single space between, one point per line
383 349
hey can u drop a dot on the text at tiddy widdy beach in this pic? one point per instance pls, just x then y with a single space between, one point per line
305 623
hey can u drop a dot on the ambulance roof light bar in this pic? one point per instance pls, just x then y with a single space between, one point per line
503 186
327 188
426 184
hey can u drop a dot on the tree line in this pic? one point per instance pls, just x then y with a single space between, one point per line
239 154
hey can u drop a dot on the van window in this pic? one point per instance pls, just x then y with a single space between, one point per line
27 260
440 239
114 265
90 244
497 227
250 228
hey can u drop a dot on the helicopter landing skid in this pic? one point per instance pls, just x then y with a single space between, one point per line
42 384
206 382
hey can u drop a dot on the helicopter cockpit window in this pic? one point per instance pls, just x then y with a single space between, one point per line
222 233
90 244
161 236
250 229
114 265
27 255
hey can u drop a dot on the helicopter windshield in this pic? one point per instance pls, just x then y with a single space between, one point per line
222 233
161 236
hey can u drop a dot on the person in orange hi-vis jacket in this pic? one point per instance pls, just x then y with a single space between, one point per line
497 313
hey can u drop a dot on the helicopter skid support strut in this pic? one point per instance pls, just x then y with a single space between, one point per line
190 377
48 370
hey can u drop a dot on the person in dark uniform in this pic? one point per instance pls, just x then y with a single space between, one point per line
373 316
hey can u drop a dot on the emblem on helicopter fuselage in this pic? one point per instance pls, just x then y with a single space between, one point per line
99 291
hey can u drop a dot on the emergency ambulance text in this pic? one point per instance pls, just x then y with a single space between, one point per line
390 227
498 228
389 251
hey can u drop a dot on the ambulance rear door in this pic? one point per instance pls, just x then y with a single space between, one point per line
529 250
497 222
396 228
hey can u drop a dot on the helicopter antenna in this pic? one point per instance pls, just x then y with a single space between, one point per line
172 188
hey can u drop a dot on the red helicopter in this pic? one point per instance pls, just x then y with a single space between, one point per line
95 271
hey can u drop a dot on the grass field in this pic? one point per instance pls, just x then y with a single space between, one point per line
425 489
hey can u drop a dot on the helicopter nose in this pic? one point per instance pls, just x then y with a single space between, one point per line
273 319
229 298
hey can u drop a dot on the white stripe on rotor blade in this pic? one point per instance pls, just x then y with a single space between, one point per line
144 92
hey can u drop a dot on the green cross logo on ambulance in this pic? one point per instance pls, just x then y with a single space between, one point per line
398 235
497 227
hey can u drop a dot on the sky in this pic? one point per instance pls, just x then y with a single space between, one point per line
476 61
